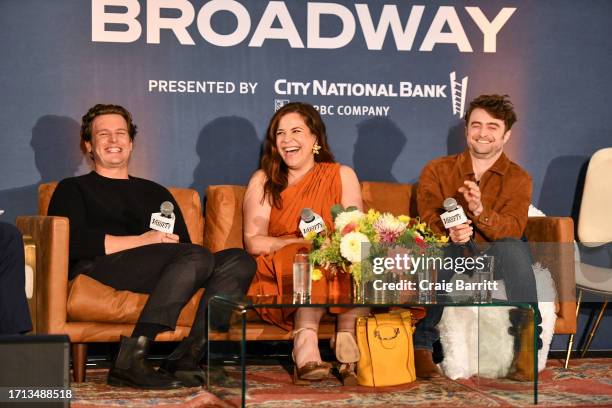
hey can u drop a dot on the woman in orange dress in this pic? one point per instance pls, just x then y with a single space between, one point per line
298 171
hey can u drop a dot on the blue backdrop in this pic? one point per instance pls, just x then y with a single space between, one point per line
248 57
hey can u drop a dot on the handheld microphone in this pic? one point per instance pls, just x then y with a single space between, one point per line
310 221
454 216
163 221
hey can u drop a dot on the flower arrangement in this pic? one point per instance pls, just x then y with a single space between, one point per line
359 237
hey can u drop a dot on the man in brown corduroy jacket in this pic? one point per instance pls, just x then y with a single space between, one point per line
495 194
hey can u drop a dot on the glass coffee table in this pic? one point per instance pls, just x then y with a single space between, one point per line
228 368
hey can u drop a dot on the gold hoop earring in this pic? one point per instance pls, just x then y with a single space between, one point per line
316 148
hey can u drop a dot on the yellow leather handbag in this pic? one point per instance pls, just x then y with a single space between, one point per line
386 348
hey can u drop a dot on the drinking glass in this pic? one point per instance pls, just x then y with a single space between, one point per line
426 277
302 282
483 277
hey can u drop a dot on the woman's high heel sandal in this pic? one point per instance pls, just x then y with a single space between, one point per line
312 370
347 353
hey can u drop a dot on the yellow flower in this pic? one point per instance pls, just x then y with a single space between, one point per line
310 235
421 226
443 239
316 274
372 215
404 218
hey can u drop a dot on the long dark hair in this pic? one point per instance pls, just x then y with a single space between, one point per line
272 164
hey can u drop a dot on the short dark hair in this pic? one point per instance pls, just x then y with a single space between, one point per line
498 106
104 109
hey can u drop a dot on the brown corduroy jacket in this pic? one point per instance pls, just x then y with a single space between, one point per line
505 194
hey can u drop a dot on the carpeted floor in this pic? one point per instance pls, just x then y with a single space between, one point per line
588 383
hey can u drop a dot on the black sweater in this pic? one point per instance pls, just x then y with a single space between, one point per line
97 205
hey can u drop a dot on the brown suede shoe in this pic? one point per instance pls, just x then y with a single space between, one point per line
425 367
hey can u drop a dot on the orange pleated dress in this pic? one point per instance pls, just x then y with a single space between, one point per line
319 190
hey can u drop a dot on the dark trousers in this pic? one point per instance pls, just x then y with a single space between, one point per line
171 274
512 264
14 312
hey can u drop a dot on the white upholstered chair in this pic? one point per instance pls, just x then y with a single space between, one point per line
595 230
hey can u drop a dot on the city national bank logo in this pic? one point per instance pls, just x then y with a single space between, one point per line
458 92
279 103
455 90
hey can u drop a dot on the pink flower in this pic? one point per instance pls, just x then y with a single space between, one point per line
388 237
389 228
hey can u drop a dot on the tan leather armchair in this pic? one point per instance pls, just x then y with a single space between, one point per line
224 230
84 309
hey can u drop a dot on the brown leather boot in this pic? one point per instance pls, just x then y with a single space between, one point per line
425 367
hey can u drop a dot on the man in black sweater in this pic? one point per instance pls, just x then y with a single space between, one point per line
110 241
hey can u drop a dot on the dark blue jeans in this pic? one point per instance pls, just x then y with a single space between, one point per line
512 264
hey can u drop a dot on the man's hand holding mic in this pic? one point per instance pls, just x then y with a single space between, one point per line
161 232
158 237
461 233
162 226
457 223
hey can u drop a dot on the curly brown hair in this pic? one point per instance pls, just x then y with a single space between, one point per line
498 106
104 109
272 164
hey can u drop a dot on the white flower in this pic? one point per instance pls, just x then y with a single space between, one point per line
345 218
355 246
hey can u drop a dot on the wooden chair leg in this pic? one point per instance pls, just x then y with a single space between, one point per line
79 360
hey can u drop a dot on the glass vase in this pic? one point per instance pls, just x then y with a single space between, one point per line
339 286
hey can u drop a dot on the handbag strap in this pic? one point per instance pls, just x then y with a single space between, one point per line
387 330
408 321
